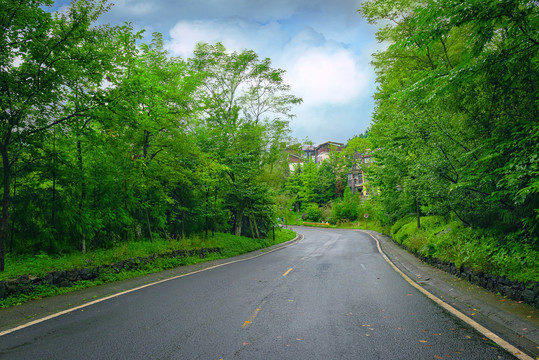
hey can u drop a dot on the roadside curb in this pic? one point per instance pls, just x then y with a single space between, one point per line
516 323
36 311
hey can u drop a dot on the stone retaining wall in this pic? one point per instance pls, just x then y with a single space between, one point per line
26 284
528 293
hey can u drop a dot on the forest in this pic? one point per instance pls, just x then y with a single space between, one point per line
455 131
106 139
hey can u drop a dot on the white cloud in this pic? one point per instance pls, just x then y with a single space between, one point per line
333 78
235 34
327 77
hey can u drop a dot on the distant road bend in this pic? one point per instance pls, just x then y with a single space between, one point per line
330 296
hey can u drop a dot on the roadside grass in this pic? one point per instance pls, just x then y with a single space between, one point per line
362 225
481 250
39 265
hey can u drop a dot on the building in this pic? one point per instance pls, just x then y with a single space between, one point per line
323 150
356 176
317 154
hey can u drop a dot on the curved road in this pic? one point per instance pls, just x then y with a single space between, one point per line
329 296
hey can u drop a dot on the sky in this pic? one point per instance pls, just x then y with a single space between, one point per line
324 46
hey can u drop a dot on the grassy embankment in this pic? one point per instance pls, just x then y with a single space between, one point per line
481 250
39 265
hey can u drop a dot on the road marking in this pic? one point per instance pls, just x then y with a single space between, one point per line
483 330
363 266
251 318
287 271
60 313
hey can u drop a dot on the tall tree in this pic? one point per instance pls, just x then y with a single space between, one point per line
49 62
238 90
458 106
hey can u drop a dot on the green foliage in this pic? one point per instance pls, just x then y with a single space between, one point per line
395 228
455 126
107 142
464 246
346 209
313 212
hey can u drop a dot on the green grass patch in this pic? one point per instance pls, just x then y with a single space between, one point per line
39 265
362 225
479 249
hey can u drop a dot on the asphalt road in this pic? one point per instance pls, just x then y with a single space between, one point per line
329 296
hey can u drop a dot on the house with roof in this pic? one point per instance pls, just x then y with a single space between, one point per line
356 176
323 150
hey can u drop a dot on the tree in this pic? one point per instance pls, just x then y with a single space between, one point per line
237 90
455 123
53 70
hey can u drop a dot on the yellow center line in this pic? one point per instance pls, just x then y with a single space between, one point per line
287 271
251 318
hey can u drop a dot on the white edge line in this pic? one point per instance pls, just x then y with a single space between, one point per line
483 330
52 316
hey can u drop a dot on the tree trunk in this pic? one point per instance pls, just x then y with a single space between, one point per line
256 229
12 232
82 199
183 224
6 179
149 226
206 214
239 219
251 227
125 208
53 215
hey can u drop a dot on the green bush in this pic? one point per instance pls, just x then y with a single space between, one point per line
399 224
313 212
346 209
479 249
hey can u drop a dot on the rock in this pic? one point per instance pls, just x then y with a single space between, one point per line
64 283
528 296
500 288
85 274
3 291
536 290
11 286
491 284
58 277
509 292
49 278
72 275
443 231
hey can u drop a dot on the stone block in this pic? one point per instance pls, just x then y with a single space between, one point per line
528 296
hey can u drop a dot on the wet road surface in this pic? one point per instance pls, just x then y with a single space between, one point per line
329 296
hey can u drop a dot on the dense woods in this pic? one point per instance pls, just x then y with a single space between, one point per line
456 124
105 139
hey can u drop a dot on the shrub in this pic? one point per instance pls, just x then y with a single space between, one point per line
399 224
482 250
313 212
